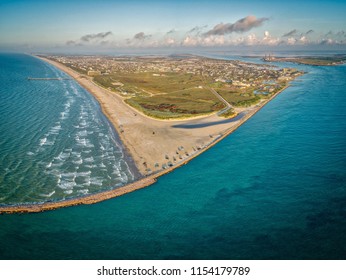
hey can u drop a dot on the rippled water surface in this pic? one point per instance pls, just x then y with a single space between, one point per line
55 143
273 189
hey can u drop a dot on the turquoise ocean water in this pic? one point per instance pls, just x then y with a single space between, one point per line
273 189
55 142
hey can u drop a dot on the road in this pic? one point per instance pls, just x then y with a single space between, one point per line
223 100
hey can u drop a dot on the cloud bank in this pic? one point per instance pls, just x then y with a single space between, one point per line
90 39
141 36
240 26
239 33
98 36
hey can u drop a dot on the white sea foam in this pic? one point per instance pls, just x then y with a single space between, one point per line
76 154
80 141
58 164
63 115
66 185
78 162
71 176
68 191
84 174
30 153
82 133
83 123
55 129
84 114
47 195
49 143
67 105
43 141
89 145
84 191
96 181
88 182
89 159
62 156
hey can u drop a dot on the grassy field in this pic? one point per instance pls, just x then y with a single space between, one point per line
239 97
150 83
185 103
230 113
164 95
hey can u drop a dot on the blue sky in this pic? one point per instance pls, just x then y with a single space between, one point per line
76 25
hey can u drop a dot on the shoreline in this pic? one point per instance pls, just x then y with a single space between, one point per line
143 182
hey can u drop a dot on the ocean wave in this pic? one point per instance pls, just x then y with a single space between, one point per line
66 185
82 133
84 191
64 115
43 141
47 195
96 181
89 159
83 123
49 143
55 129
76 154
78 162
87 173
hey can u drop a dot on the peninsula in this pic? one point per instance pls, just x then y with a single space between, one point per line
310 60
167 110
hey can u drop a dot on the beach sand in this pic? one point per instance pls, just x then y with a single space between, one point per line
151 143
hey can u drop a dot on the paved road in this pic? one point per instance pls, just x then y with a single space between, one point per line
223 100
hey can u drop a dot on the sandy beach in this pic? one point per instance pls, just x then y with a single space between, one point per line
152 143
156 146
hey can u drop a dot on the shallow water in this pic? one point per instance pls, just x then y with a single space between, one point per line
55 142
273 189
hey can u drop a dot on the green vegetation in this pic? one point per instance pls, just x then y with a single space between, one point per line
230 113
150 83
318 61
163 95
239 98
77 69
248 102
186 103
167 87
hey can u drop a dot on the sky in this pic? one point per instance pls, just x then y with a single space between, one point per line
30 25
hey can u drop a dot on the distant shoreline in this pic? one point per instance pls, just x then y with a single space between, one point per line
139 184
306 60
